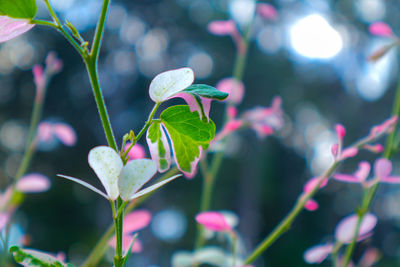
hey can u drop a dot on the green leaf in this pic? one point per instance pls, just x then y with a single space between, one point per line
206 91
21 9
31 258
189 135
158 146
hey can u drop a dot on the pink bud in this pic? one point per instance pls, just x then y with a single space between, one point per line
65 133
385 127
232 126
380 29
335 150
349 153
232 112
267 11
222 27
340 131
311 205
313 182
33 183
53 64
377 148
318 254
234 88
38 77
136 152
213 221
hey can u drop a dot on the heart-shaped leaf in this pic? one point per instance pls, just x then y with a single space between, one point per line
22 9
159 147
134 175
169 83
107 165
32 258
189 136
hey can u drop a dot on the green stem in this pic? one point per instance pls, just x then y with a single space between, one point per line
370 194
118 222
286 223
98 36
91 66
101 247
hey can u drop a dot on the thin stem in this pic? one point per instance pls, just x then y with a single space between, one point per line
99 250
143 130
370 194
60 28
91 67
98 37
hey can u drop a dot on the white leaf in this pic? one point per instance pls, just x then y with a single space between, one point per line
107 165
134 175
89 186
169 83
154 187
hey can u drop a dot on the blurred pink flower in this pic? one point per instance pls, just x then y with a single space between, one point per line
227 27
133 222
267 11
11 27
382 174
53 64
345 229
370 257
384 128
4 217
234 88
265 120
318 254
380 29
337 149
136 152
33 183
214 221
377 148
62 131
311 205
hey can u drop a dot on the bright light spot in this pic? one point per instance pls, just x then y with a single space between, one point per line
242 11
202 64
169 225
313 37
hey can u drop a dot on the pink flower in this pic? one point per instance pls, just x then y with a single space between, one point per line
227 27
267 11
311 205
345 229
384 128
33 183
265 120
337 152
62 131
360 176
318 254
382 173
11 27
234 88
136 152
133 222
380 29
214 221
370 256
222 27
53 64
377 148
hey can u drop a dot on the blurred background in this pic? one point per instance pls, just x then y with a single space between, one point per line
314 56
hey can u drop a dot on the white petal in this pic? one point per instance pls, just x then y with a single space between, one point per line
169 83
107 165
134 175
89 186
154 187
